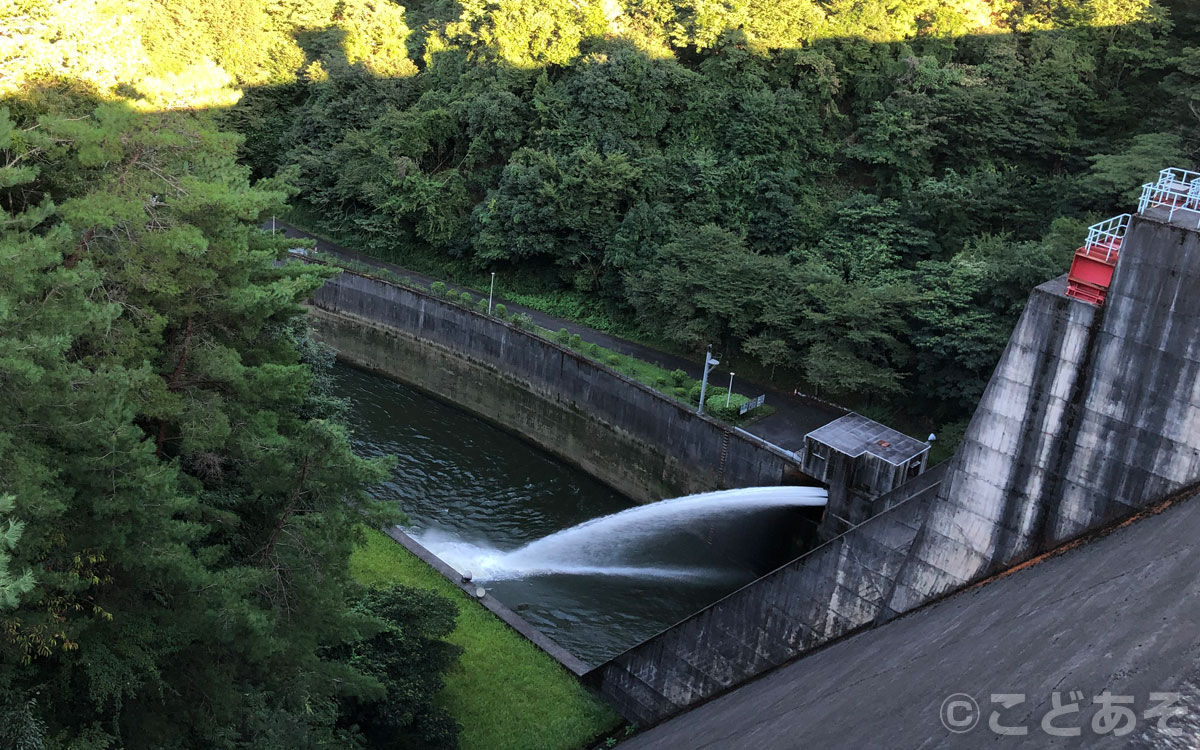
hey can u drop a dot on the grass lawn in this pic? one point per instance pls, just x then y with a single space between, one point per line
505 692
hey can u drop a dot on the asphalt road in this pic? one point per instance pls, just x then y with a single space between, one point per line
794 417
1119 614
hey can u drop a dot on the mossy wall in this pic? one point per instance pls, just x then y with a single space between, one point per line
629 436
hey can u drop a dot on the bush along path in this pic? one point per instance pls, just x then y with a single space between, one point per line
785 424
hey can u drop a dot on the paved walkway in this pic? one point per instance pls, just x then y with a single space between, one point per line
794 416
1118 614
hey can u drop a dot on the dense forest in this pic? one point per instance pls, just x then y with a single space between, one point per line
860 192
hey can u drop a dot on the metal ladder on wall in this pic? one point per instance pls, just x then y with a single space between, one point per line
712 526
724 453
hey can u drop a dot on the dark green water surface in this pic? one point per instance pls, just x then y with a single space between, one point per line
464 482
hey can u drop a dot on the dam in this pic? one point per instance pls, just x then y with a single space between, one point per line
1092 416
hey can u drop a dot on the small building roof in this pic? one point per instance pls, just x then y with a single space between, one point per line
854 435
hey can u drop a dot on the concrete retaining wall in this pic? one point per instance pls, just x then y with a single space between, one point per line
640 442
828 593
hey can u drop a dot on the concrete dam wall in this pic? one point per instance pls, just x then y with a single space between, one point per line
1091 414
640 442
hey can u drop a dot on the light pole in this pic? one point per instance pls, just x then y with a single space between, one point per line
491 289
730 391
272 225
709 363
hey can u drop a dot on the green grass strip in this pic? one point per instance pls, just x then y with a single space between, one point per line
505 692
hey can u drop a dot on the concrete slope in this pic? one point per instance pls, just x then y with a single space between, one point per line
1120 613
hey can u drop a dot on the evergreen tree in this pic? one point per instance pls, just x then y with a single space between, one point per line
184 494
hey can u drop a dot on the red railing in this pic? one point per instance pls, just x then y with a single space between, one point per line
1094 263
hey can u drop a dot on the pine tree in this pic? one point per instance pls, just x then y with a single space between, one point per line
12 584
188 508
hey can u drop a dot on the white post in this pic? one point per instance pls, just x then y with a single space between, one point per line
730 391
272 224
490 290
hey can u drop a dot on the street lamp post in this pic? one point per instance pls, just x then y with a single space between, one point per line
709 363
491 289
730 391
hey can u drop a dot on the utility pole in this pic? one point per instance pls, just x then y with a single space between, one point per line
709 363
491 289
730 391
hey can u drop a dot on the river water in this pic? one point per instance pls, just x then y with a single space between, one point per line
464 482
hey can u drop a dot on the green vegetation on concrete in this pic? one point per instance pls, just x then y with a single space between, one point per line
505 692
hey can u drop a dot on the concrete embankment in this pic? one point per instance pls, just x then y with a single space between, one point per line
635 439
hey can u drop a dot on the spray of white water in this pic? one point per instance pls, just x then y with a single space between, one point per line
603 545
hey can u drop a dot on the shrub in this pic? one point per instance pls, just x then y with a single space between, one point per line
576 341
614 360
481 305
523 321
408 656
678 377
694 394
715 405
466 299
562 336
594 349
660 381
438 288
680 391
501 311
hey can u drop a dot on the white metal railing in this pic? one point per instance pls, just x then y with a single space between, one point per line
1104 239
1176 190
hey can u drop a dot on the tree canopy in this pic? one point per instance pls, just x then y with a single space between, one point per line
837 160
178 497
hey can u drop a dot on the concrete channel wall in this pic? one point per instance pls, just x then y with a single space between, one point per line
830 592
638 441
1091 414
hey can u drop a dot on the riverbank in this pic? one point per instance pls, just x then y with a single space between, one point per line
505 692
794 415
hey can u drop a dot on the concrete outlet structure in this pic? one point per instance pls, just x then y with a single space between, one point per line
859 460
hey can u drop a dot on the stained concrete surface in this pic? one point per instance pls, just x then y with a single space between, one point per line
1091 414
1119 613
641 443
794 417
